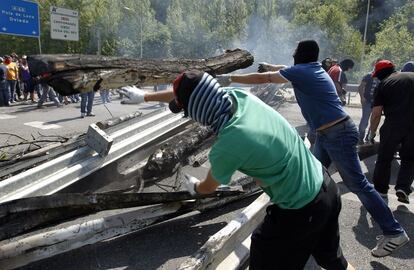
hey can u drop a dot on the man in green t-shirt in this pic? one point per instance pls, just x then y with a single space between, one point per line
256 140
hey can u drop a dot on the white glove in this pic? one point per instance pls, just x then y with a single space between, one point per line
224 80
133 94
263 67
190 183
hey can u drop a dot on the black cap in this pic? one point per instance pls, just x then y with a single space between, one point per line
307 51
184 86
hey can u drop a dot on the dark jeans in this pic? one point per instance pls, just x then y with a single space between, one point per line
287 237
87 102
391 136
4 93
363 124
337 144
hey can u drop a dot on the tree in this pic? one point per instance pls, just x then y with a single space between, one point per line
395 40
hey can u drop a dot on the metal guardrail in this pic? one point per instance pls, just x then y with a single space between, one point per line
54 175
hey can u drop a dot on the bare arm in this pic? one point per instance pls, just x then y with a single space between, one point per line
162 96
338 88
361 90
258 78
271 67
208 185
375 118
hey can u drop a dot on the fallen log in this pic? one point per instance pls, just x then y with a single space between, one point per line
21 250
165 160
21 215
71 74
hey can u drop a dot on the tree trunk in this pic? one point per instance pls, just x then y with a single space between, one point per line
72 74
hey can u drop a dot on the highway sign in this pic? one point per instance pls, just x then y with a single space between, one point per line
20 18
64 24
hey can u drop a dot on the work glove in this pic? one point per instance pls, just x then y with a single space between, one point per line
263 67
133 94
224 80
190 183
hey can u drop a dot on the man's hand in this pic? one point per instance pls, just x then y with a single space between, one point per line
191 183
224 80
371 137
263 67
133 94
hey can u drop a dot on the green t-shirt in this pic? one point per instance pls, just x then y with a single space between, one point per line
259 142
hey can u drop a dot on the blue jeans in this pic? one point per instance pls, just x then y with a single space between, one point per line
337 144
12 88
363 124
87 102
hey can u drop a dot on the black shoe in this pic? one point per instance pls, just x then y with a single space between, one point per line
402 196
90 115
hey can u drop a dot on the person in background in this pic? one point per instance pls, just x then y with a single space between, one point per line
19 91
366 92
26 81
337 73
337 135
46 91
74 98
253 138
408 67
87 103
105 96
395 97
327 64
12 76
4 89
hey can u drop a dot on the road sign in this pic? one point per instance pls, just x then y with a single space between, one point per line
64 24
20 18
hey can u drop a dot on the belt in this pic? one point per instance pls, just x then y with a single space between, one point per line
273 209
340 123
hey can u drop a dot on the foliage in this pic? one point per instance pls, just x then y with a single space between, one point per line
395 40
270 29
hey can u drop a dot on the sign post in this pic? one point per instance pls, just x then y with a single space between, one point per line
64 24
20 18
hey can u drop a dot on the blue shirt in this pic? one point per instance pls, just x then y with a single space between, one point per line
315 93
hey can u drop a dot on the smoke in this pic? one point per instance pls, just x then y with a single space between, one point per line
275 42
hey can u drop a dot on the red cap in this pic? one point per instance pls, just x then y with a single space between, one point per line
381 65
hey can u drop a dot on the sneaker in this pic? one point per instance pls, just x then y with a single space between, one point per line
402 196
387 244
90 114
82 115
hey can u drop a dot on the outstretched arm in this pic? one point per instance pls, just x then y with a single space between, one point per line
135 95
258 78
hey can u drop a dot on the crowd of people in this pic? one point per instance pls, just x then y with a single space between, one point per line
18 85
253 138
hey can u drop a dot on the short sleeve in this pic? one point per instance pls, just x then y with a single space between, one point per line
378 96
223 165
291 74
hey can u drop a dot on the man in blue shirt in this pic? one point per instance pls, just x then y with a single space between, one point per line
337 135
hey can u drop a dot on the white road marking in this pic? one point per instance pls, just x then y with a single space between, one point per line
7 116
42 125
